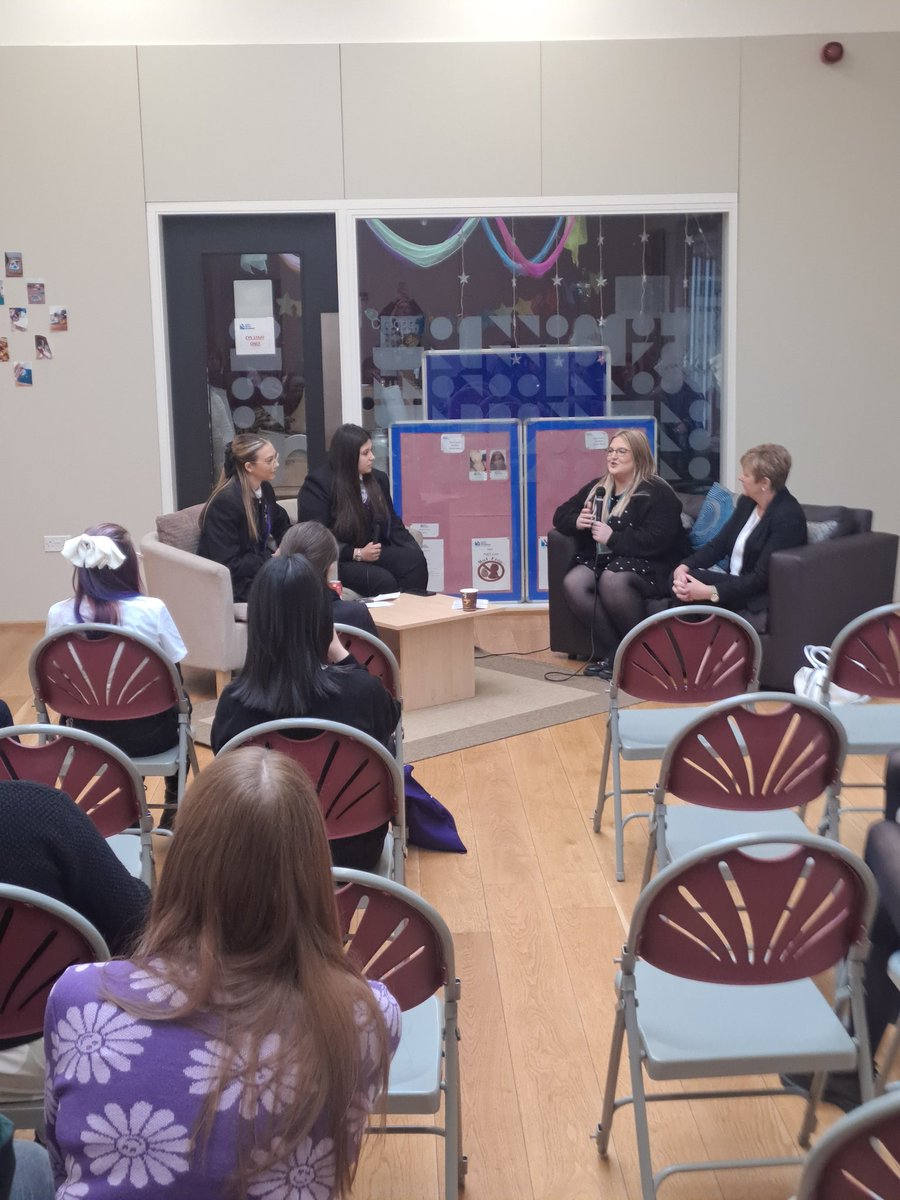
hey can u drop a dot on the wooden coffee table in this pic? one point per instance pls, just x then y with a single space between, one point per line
435 646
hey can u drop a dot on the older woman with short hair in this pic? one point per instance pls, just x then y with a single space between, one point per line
766 518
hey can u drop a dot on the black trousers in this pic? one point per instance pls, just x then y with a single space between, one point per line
399 569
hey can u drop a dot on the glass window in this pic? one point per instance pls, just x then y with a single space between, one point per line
647 287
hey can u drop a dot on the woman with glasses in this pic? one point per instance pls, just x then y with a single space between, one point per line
629 534
241 524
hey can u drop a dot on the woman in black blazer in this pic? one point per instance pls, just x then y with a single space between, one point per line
628 529
767 518
349 497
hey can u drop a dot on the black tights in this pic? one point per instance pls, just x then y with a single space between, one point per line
882 998
610 606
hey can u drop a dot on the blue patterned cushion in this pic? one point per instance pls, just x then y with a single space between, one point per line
717 508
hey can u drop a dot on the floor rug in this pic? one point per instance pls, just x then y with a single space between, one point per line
511 697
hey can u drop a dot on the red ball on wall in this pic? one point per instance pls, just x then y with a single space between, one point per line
831 53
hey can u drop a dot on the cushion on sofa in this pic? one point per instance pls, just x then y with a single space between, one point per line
181 529
822 514
821 531
715 511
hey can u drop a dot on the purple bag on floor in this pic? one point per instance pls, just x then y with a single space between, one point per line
428 824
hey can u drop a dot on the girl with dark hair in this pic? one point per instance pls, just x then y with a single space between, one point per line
241 523
296 667
628 528
319 545
107 586
238 1052
352 499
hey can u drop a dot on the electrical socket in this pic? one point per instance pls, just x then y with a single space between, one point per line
54 542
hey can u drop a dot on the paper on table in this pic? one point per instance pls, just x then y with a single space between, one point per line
478 603
382 599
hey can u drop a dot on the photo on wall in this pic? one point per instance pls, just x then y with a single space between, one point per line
14 267
23 374
4 349
18 319
37 292
59 320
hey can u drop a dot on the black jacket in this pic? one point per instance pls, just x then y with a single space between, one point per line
783 525
225 538
649 529
315 502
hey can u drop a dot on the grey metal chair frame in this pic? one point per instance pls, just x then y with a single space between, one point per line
395 689
855 1126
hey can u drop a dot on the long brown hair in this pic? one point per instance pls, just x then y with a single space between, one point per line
313 541
244 924
245 448
350 521
644 469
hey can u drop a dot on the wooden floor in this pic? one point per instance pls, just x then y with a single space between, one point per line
538 920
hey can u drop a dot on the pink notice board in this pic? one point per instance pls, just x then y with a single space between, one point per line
459 482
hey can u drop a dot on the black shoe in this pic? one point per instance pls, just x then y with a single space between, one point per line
841 1088
599 670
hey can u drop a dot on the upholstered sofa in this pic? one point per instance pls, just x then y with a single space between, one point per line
814 590
197 593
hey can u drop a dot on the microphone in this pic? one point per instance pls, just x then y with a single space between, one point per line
601 550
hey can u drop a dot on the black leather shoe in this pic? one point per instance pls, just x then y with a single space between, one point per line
599 670
841 1088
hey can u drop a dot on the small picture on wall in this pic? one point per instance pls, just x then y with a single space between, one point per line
497 465
4 349
18 318
477 465
23 374
2 297
42 346
14 266
59 320
36 293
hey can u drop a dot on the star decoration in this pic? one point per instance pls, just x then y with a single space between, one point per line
688 240
685 283
514 283
463 279
645 238
600 281
601 321
558 360
285 305
600 240
557 280
643 279
516 359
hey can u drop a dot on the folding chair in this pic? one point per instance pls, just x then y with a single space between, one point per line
396 937
93 773
95 672
378 659
39 938
865 658
858 1157
686 656
717 974
359 784
741 770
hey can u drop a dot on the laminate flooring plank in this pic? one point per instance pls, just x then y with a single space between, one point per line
452 882
555 1081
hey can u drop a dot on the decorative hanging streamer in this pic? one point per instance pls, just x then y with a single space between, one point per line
423 256
577 238
645 238
463 280
601 280
504 257
512 284
539 265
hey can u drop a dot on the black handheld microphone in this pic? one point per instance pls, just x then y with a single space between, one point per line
599 495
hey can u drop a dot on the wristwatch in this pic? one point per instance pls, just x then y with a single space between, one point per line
714 596
357 555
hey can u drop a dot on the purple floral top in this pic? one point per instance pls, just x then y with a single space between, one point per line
124 1096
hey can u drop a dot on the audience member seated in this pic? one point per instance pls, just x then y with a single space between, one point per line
6 717
241 524
49 845
237 1052
766 518
352 499
296 667
629 532
320 546
107 585
25 1172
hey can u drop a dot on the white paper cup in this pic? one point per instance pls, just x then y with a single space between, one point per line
469 597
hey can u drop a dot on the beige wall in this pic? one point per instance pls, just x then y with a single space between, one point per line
94 134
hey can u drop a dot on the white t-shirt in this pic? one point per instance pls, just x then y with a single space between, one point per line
145 615
737 554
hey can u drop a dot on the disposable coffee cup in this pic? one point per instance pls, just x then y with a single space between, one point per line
469 598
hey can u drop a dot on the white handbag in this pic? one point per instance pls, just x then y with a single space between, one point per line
808 680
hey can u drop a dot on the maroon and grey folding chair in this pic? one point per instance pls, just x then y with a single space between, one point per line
858 1158
39 938
396 937
94 672
682 657
359 784
378 659
865 658
717 980
93 773
739 769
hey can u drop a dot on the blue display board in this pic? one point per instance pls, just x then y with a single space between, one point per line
560 457
538 381
460 482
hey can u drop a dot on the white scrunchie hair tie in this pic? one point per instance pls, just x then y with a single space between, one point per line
93 551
